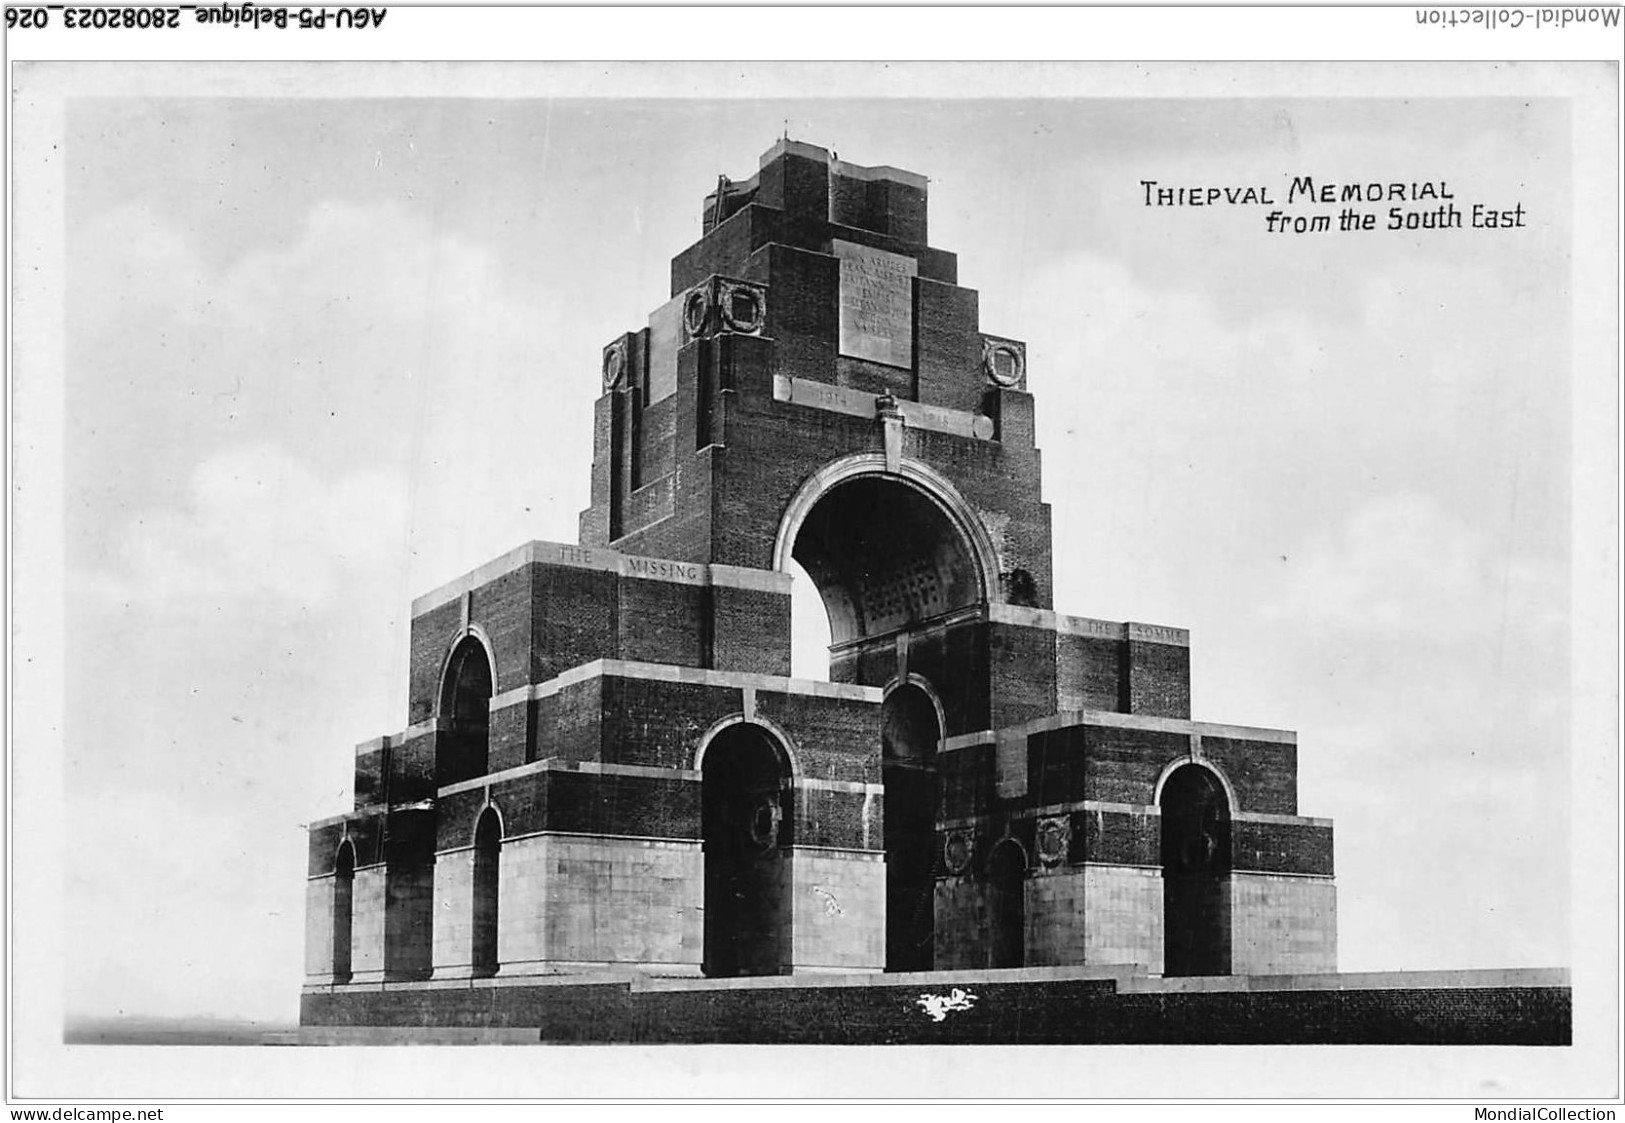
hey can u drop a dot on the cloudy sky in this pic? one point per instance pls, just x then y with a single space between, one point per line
326 353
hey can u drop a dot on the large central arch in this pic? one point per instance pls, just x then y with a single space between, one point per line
886 548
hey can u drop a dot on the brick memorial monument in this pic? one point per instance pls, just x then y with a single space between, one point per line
608 773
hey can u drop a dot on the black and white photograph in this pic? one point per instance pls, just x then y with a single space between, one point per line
993 579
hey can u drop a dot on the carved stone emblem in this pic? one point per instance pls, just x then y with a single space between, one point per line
1054 839
722 304
1004 362
762 823
957 850
614 363
744 307
697 311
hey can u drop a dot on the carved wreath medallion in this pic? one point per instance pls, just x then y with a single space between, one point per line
1054 839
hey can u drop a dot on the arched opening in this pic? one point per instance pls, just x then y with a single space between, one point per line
1007 905
343 896
487 861
465 703
884 555
746 824
1195 873
910 734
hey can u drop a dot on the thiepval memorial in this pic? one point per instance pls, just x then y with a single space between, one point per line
607 771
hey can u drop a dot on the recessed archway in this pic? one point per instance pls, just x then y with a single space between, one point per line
1195 811
343 897
1007 905
911 731
486 881
748 829
465 707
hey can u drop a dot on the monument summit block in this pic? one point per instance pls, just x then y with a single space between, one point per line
606 766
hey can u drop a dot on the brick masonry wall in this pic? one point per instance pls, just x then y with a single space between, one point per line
430 646
593 524
659 431
502 608
1117 837
966 778
511 737
1057 766
369 777
1282 925
946 345
771 447
750 631
1264 774
657 807
570 722
1122 765
803 310
412 768
1281 847
1088 673
409 837
847 820
955 661
839 908
835 738
1159 679
659 622
659 723
456 813
1021 667
323 850
572 617
1018 1011
727 244
561 799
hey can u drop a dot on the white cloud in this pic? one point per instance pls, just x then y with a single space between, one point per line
260 526
370 340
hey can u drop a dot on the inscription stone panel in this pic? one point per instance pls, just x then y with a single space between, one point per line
877 304
665 337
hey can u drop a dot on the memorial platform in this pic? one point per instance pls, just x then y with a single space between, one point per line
1025 1006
